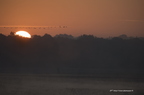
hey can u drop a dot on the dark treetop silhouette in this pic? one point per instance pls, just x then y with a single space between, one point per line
64 54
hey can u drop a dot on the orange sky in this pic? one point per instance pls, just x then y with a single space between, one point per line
103 18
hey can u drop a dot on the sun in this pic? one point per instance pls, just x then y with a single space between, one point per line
23 34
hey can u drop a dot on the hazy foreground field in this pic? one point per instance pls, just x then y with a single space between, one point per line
36 84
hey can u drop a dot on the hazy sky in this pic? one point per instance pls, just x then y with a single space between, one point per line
102 18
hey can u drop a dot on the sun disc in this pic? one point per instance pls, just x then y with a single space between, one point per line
23 34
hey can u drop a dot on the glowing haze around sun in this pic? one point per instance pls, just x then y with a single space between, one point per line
23 34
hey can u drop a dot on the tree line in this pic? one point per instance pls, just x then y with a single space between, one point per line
64 53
